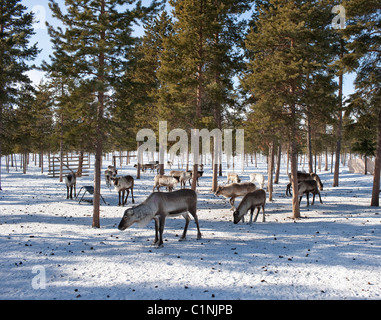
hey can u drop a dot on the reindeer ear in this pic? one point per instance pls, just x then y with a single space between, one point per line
131 211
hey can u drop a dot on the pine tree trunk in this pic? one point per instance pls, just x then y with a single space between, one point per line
309 144
377 167
215 179
98 162
339 126
277 172
1 138
195 145
138 167
61 149
270 171
200 65
294 167
80 164
25 163
194 177
99 132
216 161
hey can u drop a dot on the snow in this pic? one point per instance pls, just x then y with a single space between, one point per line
50 251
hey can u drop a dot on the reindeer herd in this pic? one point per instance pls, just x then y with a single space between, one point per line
158 206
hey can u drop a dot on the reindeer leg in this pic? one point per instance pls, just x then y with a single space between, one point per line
187 219
67 192
263 211
193 212
123 193
119 198
288 190
320 197
232 203
313 199
155 242
132 195
161 229
308 202
251 216
256 216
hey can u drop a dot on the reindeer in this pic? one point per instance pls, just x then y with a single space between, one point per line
302 176
184 177
159 206
151 166
258 177
71 181
235 190
176 173
233 177
164 181
123 184
250 201
307 186
110 173
199 174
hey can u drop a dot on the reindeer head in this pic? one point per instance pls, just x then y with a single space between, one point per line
128 219
115 180
219 190
317 179
236 216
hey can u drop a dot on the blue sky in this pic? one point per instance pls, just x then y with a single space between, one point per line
43 13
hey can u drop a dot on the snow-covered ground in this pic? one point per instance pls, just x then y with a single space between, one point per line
50 251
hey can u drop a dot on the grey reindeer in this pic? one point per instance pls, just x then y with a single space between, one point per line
159 206
70 181
123 185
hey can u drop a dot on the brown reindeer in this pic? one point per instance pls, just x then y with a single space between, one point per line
110 173
302 176
235 190
164 181
306 187
252 200
233 178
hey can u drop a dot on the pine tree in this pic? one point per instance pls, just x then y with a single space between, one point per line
363 32
287 62
42 123
97 39
15 32
200 59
